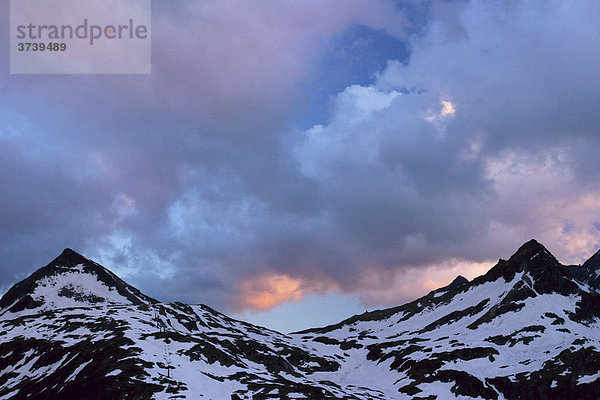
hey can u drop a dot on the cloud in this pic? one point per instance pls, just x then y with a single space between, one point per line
476 149
269 291
224 55
405 284
107 164
195 184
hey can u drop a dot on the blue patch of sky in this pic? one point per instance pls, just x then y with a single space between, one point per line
569 227
352 58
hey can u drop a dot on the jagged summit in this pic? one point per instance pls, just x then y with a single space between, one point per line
532 245
530 255
69 258
529 307
458 281
540 272
70 280
455 284
526 329
535 260
532 249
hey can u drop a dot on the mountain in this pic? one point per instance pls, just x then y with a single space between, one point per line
591 269
527 329
71 280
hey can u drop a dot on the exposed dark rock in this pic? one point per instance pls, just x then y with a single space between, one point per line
588 308
99 349
515 338
494 312
591 271
551 382
456 315
19 297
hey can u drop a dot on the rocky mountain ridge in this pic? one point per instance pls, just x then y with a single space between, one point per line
528 328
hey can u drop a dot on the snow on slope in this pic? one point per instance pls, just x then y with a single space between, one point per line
526 329
71 289
70 280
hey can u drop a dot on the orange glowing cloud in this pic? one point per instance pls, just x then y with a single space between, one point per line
268 291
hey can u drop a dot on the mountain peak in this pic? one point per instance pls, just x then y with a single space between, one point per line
456 283
504 340
532 243
531 248
533 259
70 280
69 258
459 281
531 255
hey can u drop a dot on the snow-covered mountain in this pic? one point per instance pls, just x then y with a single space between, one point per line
527 329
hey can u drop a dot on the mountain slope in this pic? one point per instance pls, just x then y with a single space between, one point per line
526 329
74 330
70 280
591 270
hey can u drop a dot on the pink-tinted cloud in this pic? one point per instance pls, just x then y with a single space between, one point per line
397 286
193 182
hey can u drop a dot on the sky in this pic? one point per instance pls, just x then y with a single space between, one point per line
292 163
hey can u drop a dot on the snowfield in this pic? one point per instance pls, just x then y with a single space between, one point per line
527 329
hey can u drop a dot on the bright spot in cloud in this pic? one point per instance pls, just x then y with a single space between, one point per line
448 108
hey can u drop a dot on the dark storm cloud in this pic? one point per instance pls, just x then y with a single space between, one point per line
109 164
472 146
193 181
